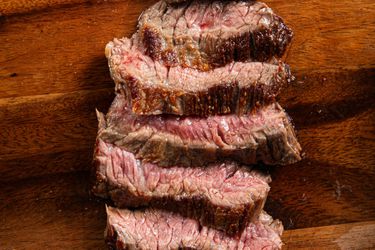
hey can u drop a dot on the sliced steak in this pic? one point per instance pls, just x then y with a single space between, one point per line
155 89
225 196
208 34
155 229
265 135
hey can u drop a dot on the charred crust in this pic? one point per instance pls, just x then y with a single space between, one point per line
225 98
259 45
153 42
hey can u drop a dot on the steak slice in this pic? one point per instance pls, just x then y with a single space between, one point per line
208 34
153 88
265 135
223 195
155 229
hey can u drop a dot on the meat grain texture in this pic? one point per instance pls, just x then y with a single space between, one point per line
153 88
156 229
265 135
225 196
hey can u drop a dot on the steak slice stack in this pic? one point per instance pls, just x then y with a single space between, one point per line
153 88
208 34
195 111
266 135
155 229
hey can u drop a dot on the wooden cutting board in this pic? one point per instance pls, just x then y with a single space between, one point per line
53 74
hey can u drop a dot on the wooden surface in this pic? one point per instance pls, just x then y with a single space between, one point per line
360 235
53 74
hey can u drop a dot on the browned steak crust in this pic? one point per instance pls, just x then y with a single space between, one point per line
209 34
153 88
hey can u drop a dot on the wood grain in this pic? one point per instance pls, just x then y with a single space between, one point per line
50 123
53 74
51 212
345 236
63 48
329 35
11 7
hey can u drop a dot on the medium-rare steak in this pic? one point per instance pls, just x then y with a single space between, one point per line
222 195
265 135
155 229
153 88
207 34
